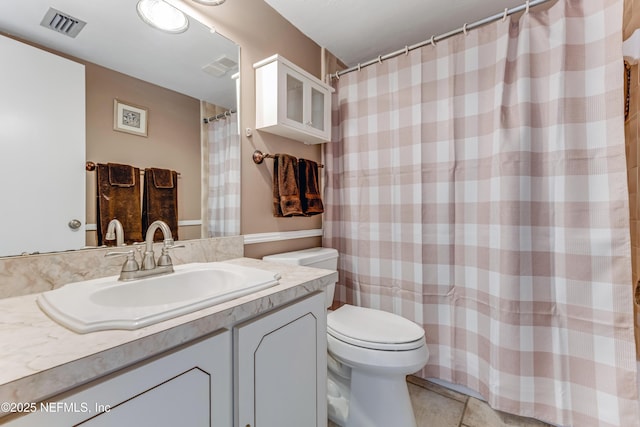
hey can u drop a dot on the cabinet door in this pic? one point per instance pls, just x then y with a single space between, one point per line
182 400
281 367
293 98
319 111
189 386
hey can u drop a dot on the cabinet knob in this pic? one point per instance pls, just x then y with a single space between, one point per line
74 224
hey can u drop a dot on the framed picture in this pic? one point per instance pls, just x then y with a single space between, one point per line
129 118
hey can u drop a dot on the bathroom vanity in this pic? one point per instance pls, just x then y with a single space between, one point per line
256 360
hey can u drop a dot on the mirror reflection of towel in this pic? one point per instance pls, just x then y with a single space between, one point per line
160 200
118 196
286 193
309 192
121 175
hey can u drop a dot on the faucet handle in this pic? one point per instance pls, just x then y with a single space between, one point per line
174 246
130 264
164 258
139 246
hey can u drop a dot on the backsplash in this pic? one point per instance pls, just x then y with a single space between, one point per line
28 274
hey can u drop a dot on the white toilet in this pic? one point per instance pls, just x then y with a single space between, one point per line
370 352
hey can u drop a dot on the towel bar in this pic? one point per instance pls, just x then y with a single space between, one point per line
258 157
91 166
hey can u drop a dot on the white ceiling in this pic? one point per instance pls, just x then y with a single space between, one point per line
116 38
359 30
353 30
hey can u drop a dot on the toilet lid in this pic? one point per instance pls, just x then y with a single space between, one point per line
374 329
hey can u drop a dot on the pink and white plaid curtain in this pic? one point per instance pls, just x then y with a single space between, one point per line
478 188
223 180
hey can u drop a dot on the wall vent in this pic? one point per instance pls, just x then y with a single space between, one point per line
220 66
62 23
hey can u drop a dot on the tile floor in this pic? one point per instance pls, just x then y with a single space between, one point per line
436 406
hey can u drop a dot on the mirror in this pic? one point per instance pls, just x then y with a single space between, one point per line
117 46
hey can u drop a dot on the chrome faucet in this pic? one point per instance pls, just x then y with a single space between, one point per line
115 231
149 262
131 270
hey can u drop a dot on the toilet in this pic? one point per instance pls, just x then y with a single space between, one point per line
370 352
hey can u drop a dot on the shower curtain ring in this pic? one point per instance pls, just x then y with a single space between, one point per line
406 50
433 42
380 59
359 68
504 17
337 76
527 9
464 28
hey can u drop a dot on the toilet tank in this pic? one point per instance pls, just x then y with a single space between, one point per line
325 258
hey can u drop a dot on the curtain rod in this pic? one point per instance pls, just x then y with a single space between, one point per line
434 39
218 116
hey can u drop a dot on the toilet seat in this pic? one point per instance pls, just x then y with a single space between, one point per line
374 329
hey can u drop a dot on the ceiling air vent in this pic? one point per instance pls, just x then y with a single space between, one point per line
220 66
62 22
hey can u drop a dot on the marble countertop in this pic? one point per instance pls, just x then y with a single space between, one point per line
40 358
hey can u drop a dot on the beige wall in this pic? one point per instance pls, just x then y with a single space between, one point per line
631 17
261 32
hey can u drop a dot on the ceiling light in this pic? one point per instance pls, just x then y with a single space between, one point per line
162 15
210 2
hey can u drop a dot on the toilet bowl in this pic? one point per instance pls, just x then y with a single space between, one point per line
370 352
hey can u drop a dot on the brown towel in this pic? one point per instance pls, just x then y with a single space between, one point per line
118 196
121 175
309 192
160 200
286 193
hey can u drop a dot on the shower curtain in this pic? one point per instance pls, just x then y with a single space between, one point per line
223 178
478 187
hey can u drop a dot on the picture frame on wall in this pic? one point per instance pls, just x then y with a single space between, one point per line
130 118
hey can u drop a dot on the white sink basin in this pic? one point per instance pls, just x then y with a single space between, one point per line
107 303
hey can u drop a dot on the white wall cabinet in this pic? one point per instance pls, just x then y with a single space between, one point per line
292 103
281 366
191 386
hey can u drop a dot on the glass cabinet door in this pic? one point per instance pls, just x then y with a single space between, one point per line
295 99
317 109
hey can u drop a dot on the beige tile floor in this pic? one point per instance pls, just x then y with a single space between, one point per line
436 406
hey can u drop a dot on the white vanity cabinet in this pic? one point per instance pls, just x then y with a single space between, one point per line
281 367
291 102
190 386
269 370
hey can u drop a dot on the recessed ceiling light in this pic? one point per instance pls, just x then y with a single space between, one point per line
161 15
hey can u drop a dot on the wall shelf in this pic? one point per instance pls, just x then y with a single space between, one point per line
292 103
